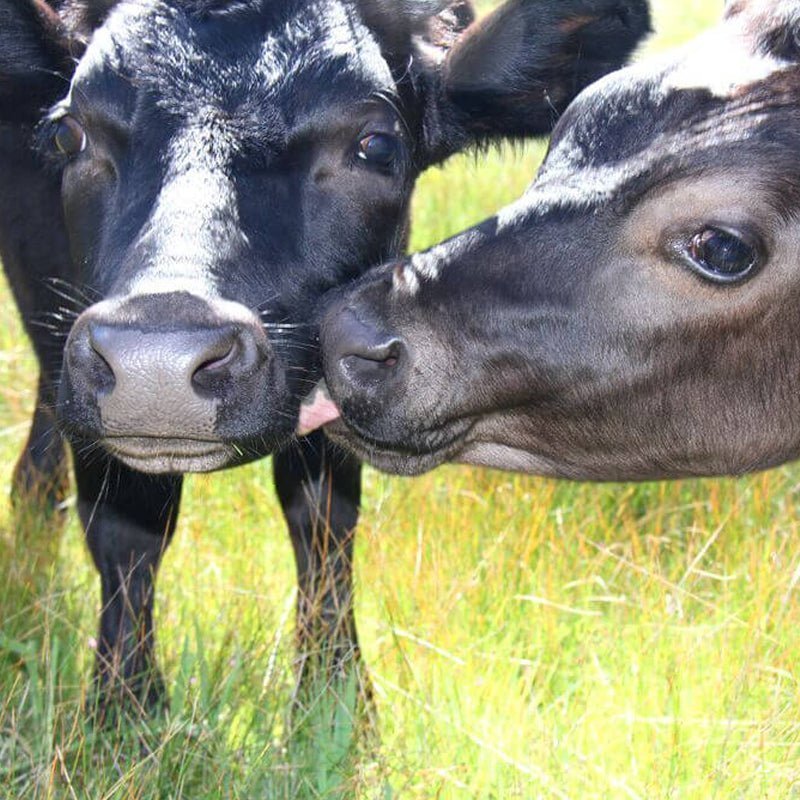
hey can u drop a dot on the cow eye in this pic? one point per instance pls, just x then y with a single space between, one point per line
379 150
69 137
722 256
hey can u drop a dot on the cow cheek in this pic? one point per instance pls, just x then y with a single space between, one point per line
86 190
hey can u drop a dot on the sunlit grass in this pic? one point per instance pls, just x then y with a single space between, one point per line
526 638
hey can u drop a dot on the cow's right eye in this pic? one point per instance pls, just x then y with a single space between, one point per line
721 255
69 137
380 150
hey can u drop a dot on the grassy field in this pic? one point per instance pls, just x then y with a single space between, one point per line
526 638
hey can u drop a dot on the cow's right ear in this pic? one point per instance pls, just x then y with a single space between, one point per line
515 71
35 59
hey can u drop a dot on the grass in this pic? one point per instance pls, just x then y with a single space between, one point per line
527 638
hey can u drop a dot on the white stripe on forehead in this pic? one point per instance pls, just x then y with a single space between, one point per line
427 265
154 42
724 61
195 221
764 12
566 181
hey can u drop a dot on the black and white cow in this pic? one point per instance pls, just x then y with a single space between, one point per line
205 172
634 315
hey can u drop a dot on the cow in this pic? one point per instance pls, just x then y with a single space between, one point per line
203 173
633 315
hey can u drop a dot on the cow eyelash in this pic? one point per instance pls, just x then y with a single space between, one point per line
43 141
396 105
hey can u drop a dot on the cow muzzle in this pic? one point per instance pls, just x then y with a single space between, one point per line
364 363
150 377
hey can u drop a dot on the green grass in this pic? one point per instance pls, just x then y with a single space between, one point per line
527 638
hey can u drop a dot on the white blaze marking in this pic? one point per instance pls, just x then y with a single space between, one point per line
405 280
153 41
300 46
195 219
566 183
721 61
428 265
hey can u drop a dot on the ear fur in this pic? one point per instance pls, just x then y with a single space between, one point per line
514 72
40 43
35 59
408 26
435 36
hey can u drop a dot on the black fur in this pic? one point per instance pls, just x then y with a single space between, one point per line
517 70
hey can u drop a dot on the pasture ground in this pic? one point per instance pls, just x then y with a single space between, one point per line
526 638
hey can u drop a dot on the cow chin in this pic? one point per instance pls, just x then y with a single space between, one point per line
411 453
160 456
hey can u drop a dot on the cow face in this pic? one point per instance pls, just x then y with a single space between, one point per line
225 164
634 314
227 196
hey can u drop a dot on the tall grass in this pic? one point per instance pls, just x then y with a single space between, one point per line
526 638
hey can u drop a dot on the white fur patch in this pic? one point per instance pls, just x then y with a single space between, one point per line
195 220
309 41
155 42
722 61
405 280
427 265
567 183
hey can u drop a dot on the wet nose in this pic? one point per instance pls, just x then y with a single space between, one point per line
362 353
182 363
162 383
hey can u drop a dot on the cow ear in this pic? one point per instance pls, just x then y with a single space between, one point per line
87 16
435 35
35 59
515 71
426 28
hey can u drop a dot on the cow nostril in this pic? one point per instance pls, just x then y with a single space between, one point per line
97 366
218 363
388 356
234 354
374 363
362 351
386 353
216 366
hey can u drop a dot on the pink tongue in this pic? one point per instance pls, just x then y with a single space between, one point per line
315 413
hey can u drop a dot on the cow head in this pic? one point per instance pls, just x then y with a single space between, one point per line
226 163
635 314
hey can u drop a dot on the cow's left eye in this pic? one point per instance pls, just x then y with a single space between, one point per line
379 150
722 256
69 136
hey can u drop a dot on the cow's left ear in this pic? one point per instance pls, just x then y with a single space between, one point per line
514 72
35 59
426 28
